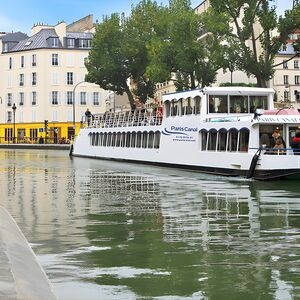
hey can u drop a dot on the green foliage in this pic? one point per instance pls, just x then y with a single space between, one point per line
247 28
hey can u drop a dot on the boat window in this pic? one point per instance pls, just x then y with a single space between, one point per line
212 139
114 137
258 102
138 139
217 104
204 135
187 107
118 141
222 140
123 138
144 141
133 139
232 140
238 104
156 139
150 139
127 144
109 139
104 139
174 108
243 140
167 108
101 139
197 107
265 135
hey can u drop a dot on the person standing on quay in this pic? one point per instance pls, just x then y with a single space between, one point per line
88 117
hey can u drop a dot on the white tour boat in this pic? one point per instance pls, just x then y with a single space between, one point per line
222 130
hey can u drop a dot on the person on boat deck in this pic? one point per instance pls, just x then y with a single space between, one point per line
139 104
88 117
279 147
276 136
296 143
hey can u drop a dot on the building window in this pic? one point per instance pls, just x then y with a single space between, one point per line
21 99
33 60
55 78
5 47
22 61
69 97
9 116
285 64
21 79
10 63
96 98
33 98
297 79
54 59
9 99
70 43
285 79
54 42
296 64
54 97
70 78
286 95
34 78
83 98
85 43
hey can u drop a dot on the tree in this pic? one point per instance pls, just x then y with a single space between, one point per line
119 51
146 23
193 61
251 33
108 63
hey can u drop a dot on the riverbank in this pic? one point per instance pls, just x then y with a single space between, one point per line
21 276
36 146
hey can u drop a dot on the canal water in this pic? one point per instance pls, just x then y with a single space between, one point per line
107 230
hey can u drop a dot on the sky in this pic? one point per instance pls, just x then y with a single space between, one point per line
21 15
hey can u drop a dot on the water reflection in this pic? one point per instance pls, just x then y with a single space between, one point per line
120 231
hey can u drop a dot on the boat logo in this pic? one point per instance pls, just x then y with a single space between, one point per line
180 133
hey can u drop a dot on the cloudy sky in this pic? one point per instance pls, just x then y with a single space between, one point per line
20 15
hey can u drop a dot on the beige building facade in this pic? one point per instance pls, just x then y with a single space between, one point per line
43 78
286 81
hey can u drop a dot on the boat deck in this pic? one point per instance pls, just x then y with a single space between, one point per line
123 119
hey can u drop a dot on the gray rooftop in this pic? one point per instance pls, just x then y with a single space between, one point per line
37 41
13 37
41 40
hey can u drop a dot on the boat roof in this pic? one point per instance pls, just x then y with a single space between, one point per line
233 90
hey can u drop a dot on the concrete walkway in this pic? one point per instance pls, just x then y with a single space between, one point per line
36 146
21 276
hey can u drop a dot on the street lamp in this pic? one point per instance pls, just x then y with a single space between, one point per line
14 114
74 122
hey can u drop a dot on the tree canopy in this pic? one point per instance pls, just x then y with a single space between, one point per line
252 33
158 43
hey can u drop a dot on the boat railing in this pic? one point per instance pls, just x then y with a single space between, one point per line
122 119
277 151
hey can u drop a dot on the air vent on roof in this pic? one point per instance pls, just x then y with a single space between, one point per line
28 43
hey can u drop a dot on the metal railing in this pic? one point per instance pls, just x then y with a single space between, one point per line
123 119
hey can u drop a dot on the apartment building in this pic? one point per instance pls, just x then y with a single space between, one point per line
286 80
43 92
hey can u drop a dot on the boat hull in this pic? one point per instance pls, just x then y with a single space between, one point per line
262 175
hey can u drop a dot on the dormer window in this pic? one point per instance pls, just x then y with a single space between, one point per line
70 43
5 47
84 43
54 42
